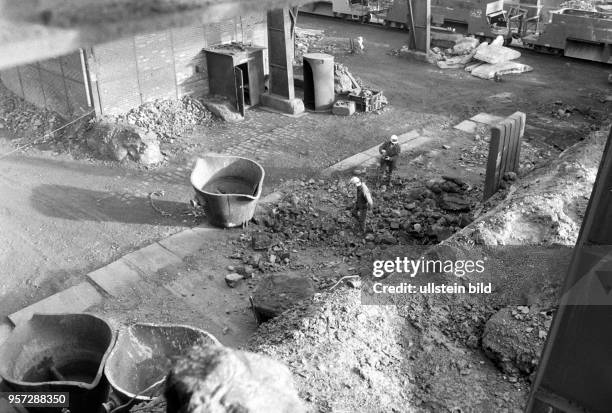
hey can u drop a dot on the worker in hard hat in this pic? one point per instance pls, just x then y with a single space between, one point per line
389 153
363 202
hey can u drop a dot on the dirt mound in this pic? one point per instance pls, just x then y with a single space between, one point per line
25 119
118 141
548 207
406 212
169 118
338 363
514 338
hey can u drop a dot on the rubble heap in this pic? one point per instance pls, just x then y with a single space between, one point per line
22 117
304 39
402 213
168 118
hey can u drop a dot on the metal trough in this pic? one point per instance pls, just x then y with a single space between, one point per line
60 353
228 187
143 356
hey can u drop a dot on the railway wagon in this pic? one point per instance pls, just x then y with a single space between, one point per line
575 33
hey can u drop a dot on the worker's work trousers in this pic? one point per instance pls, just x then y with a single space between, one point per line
361 214
387 167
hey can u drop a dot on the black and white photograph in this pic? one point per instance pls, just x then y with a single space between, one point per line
275 206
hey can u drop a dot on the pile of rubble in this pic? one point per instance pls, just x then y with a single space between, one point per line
24 118
402 213
168 118
514 338
304 39
484 60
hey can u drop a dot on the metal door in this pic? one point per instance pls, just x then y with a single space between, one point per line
239 90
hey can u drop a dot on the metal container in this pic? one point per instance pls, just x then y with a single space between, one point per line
228 187
60 353
143 356
318 81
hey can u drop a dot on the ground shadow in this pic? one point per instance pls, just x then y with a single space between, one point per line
79 204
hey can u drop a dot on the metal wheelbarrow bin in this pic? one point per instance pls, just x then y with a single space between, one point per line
141 359
228 187
60 353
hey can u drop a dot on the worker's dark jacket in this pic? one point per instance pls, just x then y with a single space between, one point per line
393 150
364 198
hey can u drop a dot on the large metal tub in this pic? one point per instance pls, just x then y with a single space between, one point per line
228 187
143 356
60 353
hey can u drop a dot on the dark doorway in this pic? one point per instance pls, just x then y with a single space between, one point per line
309 90
245 83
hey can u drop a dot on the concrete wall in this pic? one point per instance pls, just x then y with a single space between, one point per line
165 64
56 84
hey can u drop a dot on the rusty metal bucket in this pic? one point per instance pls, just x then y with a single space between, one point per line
228 187
143 356
60 353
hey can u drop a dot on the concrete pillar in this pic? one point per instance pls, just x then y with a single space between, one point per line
281 94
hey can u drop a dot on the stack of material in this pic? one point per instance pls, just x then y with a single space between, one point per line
497 61
456 57
492 60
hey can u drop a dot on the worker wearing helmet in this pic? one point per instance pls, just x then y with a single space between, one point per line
389 153
363 202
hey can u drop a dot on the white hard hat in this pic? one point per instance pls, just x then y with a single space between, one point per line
355 180
393 138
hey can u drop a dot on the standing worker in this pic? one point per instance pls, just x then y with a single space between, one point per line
389 153
363 202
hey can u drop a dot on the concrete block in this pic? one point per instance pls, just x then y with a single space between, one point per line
343 108
72 300
117 278
487 119
467 126
291 106
187 242
151 259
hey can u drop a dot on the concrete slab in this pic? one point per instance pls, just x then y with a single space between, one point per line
117 278
188 242
467 126
75 299
486 118
152 258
